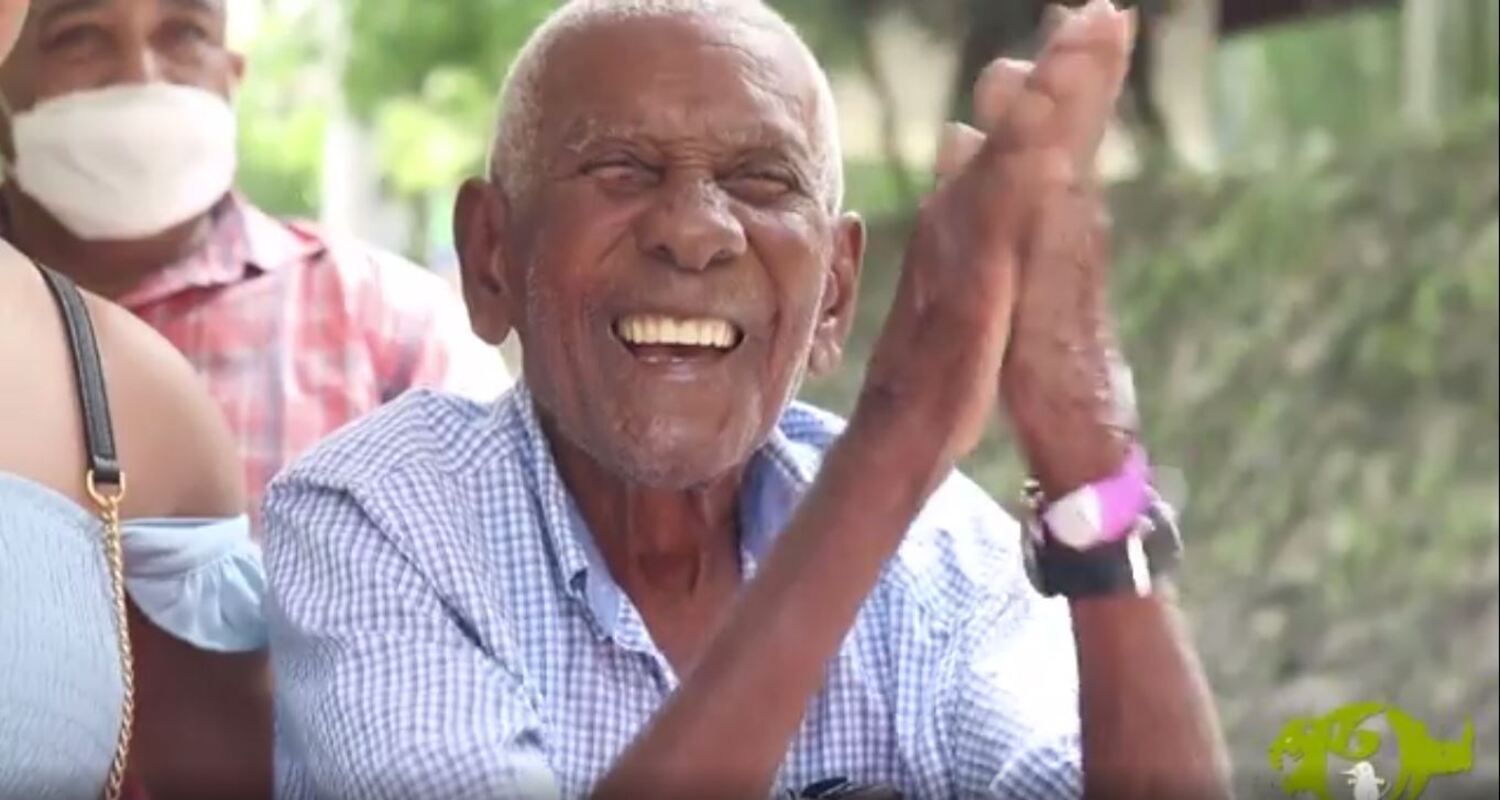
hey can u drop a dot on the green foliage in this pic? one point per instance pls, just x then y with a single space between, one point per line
394 45
283 116
432 105
868 189
1332 78
430 142
1308 89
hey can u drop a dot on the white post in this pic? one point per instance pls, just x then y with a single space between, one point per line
1421 41
338 204
1186 43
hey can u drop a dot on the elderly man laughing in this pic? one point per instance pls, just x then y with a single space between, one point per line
646 572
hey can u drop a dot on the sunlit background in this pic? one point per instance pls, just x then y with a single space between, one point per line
1307 244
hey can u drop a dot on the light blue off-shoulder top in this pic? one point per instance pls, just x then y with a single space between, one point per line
200 580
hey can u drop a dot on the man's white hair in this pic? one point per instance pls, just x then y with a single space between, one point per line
513 151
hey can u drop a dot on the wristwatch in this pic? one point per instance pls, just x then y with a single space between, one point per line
1101 512
1116 536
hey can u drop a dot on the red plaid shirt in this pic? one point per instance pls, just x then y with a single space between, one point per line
297 332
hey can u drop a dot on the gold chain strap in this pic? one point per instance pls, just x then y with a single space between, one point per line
109 510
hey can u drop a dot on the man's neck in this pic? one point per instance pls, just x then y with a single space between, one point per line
109 269
659 541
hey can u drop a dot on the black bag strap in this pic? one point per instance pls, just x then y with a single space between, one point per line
88 371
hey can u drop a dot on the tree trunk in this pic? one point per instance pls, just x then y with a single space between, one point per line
890 115
1479 21
1144 111
991 27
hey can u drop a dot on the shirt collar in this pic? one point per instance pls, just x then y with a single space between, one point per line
776 479
243 242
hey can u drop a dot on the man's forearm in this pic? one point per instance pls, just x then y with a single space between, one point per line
726 729
1149 728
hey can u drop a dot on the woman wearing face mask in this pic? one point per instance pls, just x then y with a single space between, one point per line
132 655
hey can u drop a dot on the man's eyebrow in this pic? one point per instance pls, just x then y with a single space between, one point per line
208 6
583 132
53 10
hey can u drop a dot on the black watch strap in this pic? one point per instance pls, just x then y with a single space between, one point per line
1128 566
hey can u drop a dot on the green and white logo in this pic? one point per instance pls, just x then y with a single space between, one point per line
1301 753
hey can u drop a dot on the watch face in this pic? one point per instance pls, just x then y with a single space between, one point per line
1077 520
1128 565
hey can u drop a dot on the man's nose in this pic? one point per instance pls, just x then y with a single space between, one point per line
140 63
691 226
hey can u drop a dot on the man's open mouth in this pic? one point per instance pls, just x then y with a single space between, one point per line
657 338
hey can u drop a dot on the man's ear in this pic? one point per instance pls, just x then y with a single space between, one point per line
840 291
236 69
479 220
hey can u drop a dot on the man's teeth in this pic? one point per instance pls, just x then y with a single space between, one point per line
701 332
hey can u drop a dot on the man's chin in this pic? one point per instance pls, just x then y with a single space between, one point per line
666 457
669 470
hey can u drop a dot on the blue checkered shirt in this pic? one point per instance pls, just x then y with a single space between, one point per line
443 626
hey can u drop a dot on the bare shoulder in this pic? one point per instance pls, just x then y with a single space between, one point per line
172 437
176 451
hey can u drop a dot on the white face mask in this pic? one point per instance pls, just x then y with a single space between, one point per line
126 162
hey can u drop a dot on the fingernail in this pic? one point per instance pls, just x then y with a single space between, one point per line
946 138
1068 24
1017 66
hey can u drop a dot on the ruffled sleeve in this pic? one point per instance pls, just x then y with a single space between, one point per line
200 580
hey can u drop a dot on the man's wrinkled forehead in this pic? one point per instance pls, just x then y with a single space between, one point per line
680 78
42 10
45 11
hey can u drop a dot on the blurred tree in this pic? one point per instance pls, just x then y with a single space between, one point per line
281 109
424 82
396 45
979 30
1240 16
842 32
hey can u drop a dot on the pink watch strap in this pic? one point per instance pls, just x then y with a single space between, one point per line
1124 495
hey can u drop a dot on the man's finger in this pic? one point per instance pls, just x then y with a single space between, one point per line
959 144
1082 69
1068 71
996 90
1053 16
1069 95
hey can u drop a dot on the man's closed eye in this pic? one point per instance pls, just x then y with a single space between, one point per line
761 186
623 173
